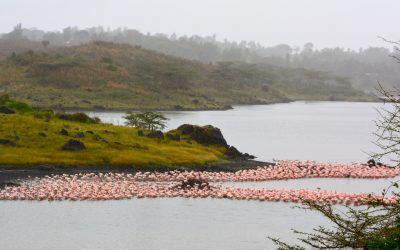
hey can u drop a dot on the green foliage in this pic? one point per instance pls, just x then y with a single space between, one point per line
43 114
19 106
146 120
373 227
78 117
391 241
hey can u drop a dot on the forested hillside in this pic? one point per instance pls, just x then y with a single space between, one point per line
104 75
363 67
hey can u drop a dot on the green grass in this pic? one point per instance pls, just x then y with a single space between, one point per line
108 145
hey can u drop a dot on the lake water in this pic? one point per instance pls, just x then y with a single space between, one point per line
326 131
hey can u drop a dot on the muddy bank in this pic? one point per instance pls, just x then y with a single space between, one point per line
9 175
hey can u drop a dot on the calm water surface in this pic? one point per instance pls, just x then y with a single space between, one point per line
326 131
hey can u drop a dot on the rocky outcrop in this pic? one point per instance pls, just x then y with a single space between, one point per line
173 137
6 110
156 134
73 145
42 134
233 153
192 183
206 135
64 132
7 142
79 135
9 184
209 135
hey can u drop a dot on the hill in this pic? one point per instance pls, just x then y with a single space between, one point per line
103 75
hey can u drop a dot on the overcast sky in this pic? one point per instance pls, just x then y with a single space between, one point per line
326 23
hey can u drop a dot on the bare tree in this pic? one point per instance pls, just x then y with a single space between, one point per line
388 123
377 226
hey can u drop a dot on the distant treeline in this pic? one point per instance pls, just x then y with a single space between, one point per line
364 67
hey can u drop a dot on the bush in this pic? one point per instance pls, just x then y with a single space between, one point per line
44 114
78 117
19 106
146 120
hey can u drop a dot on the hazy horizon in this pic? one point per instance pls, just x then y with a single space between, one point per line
331 23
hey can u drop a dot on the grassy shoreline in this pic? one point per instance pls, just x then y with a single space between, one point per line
222 108
37 141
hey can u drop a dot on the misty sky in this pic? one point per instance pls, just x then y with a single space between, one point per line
326 23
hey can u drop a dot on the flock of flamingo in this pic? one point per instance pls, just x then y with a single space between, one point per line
112 186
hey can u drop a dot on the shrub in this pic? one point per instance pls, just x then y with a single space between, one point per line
43 114
78 117
146 120
19 106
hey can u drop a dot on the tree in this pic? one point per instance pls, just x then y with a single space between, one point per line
146 120
377 226
388 124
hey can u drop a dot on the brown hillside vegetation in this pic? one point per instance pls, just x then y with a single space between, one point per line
104 75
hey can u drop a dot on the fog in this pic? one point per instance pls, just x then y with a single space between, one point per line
329 23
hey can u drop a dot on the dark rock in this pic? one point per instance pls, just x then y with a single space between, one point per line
7 142
207 135
6 110
45 168
9 184
156 134
109 132
42 134
99 138
233 153
192 183
371 163
74 145
140 133
173 137
17 138
64 132
90 132
249 156
79 135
